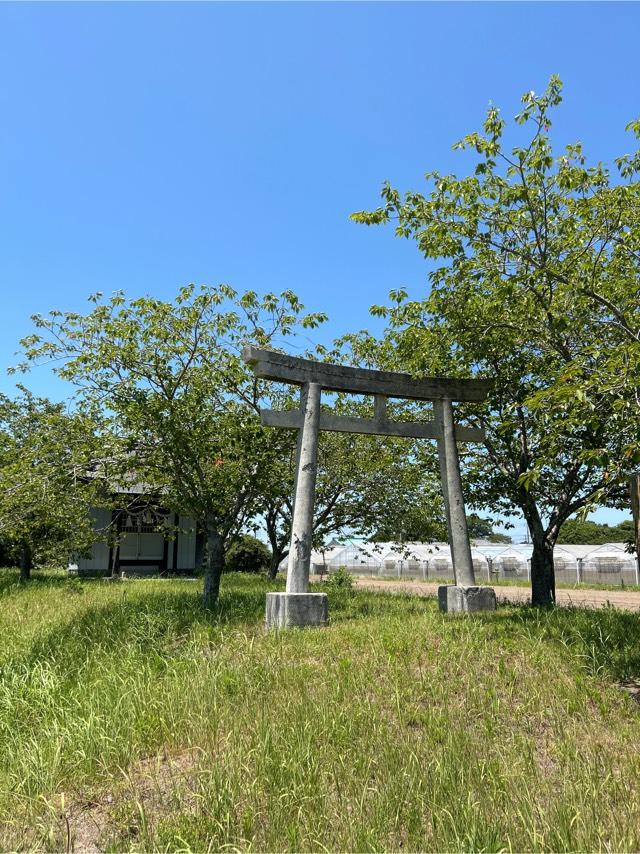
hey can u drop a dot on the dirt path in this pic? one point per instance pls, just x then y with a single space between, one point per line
587 597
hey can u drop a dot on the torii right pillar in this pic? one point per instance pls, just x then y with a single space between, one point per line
465 595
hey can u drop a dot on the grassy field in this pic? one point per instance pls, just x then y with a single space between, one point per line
131 719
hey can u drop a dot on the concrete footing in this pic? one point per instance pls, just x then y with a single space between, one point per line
454 599
285 610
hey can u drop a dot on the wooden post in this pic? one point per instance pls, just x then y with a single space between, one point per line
380 408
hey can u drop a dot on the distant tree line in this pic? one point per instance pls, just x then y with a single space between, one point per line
595 533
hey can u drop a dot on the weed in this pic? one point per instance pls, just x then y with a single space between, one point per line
339 580
133 719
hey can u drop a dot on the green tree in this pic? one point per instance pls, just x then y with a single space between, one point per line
410 510
366 486
497 537
170 378
247 554
45 494
518 251
584 532
482 529
603 375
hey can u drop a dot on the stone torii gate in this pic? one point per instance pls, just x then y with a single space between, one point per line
297 606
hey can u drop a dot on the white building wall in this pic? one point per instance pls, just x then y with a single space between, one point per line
98 560
186 543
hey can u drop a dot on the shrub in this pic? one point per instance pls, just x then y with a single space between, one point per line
247 554
341 579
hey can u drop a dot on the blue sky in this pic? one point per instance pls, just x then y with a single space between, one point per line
144 146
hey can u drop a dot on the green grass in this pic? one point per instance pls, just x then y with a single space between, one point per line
132 719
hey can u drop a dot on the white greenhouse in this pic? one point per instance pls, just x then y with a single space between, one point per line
607 564
510 563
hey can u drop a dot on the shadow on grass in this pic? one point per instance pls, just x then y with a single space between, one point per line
152 617
10 580
605 641
148 621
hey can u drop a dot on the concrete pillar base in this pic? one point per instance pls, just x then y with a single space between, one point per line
285 610
455 599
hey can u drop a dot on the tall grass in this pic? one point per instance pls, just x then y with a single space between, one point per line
131 717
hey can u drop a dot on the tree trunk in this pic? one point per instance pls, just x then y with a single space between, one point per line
277 556
543 580
201 540
278 544
115 563
26 562
213 568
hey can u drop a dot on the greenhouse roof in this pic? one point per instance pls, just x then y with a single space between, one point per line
380 551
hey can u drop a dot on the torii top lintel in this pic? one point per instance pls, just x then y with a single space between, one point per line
280 367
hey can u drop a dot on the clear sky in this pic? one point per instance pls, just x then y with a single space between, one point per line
144 145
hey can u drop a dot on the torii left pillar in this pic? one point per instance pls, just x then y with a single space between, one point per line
297 606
